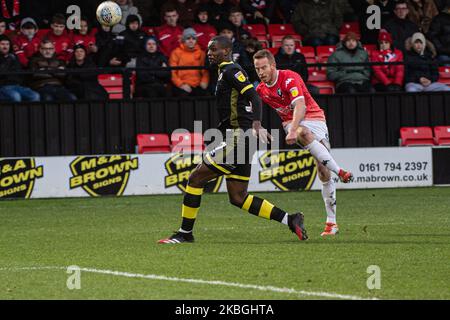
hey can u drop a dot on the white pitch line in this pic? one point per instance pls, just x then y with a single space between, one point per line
201 281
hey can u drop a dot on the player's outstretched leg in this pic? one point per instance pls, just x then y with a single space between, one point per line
306 138
237 192
191 204
329 199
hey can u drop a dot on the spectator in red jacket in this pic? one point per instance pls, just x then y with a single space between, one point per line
84 37
387 77
26 44
205 31
169 34
60 38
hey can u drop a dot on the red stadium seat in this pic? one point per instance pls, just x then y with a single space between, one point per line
149 143
187 142
263 40
323 53
113 84
416 136
308 52
444 75
325 87
256 29
315 76
273 50
281 30
442 135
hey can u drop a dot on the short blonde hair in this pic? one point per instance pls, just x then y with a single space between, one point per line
261 54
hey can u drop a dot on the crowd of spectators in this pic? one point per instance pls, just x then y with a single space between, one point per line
34 36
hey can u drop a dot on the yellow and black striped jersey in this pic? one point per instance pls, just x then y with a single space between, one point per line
235 110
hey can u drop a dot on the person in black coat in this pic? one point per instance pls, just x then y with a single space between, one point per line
421 74
11 88
84 85
400 26
151 84
288 58
133 38
110 53
439 34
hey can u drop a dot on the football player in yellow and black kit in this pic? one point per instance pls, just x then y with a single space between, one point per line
239 108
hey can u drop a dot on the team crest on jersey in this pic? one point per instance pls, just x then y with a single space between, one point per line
288 170
240 76
279 92
294 92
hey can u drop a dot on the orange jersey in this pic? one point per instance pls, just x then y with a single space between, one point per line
282 95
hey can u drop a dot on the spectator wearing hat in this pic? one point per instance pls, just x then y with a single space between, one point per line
132 40
189 54
11 88
421 74
128 9
387 77
84 85
400 27
26 44
440 33
169 33
205 31
350 79
152 83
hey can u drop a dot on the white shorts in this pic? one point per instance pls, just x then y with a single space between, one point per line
318 128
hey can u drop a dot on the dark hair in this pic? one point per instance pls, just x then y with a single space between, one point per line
45 41
261 54
169 9
59 18
400 2
223 42
84 18
234 10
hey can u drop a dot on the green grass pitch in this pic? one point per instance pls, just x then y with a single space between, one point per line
406 232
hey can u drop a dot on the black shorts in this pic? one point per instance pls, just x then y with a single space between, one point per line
233 157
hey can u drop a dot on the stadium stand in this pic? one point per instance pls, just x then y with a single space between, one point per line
416 136
187 142
153 143
442 135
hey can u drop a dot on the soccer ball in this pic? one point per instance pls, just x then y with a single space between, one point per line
109 13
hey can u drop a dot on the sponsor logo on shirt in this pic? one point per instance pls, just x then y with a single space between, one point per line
294 92
240 76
